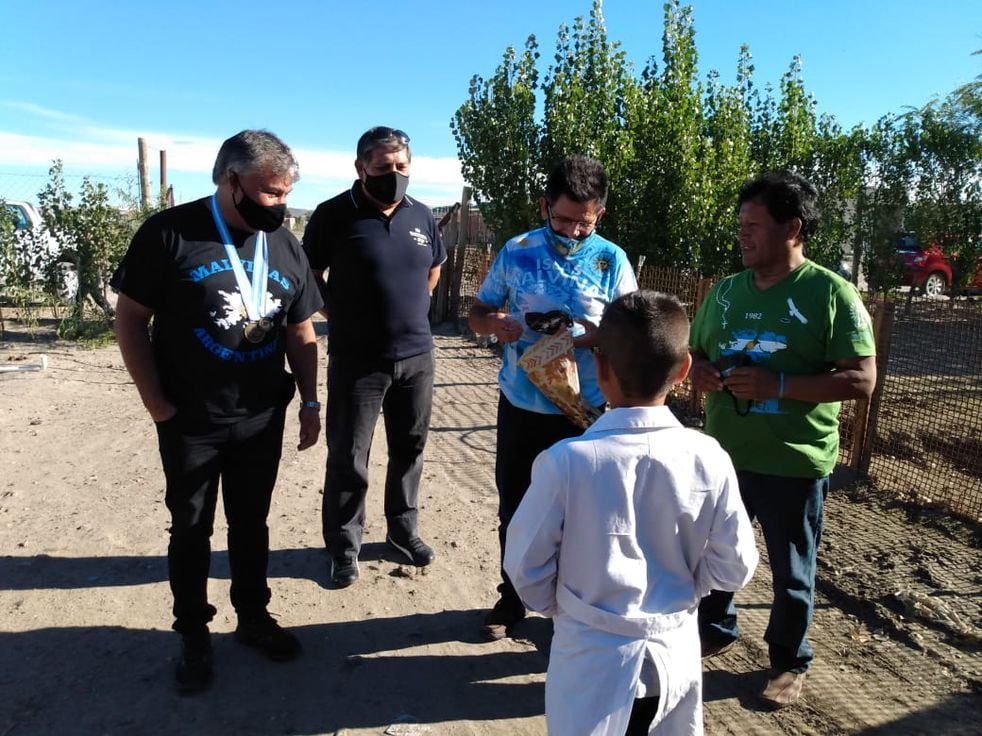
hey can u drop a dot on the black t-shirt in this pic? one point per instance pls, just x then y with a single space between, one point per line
377 270
177 266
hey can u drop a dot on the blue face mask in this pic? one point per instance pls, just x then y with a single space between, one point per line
567 246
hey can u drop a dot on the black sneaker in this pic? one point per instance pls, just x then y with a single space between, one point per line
194 670
262 632
502 619
345 571
418 551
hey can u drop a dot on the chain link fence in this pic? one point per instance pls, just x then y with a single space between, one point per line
920 436
924 438
25 187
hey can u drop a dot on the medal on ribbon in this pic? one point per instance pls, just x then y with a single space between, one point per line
256 331
253 293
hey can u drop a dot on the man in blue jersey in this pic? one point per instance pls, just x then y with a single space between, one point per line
567 268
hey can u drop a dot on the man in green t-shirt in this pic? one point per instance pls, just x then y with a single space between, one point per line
775 348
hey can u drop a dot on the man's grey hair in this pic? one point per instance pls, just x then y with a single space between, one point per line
254 151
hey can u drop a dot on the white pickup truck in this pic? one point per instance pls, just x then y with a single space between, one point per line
39 248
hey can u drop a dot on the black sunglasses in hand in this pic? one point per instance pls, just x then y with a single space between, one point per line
548 323
726 364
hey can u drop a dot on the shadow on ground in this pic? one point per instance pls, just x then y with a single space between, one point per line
351 675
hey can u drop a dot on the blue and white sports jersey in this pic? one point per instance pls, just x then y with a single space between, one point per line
530 276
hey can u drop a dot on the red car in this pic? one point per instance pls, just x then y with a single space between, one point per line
928 268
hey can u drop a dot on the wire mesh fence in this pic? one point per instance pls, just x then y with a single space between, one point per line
920 436
925 440
26 186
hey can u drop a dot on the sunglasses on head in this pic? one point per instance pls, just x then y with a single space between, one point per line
380 133
548 322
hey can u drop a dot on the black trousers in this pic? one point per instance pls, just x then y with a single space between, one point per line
642 714
522 435
245 456
357 390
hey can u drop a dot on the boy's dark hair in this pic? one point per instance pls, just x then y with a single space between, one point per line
644 336
785 194
580 178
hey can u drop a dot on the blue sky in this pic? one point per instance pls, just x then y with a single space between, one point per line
81 81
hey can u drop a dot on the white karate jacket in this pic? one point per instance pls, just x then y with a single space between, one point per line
620 533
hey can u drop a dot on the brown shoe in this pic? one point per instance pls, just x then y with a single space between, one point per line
501 619
782 688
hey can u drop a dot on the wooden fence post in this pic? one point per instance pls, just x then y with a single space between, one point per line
448 231
143 169
163 177
695 397
461 254
883 324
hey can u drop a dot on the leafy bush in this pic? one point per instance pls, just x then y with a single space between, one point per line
92 235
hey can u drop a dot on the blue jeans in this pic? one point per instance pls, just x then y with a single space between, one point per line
357 390
790 514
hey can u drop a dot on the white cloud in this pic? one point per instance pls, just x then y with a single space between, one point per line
95 150
31 150
43 112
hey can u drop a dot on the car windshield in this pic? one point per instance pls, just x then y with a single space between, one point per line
17 217
907 242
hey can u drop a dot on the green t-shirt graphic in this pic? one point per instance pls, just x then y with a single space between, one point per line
801 325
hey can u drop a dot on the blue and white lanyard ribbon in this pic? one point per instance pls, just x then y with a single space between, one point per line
254 293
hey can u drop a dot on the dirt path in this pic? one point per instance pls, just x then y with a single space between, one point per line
84 605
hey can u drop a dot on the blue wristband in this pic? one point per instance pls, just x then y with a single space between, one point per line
310 405
780 385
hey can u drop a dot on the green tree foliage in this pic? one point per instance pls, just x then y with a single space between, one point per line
82 240
35 273
728 158
923 175
666 175
881 202
587 92
945 141
93 232
786 132
498 142
678 151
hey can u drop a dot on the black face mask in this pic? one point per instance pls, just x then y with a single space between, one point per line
259 217
387 188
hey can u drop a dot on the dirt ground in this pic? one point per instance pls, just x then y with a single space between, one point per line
85 645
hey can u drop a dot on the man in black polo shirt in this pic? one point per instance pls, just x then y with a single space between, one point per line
382 253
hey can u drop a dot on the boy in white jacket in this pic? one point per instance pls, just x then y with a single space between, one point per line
620 534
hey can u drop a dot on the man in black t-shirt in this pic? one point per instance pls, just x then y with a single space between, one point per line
382 253
231 297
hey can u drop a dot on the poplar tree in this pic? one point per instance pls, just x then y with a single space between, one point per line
677 152
498 143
